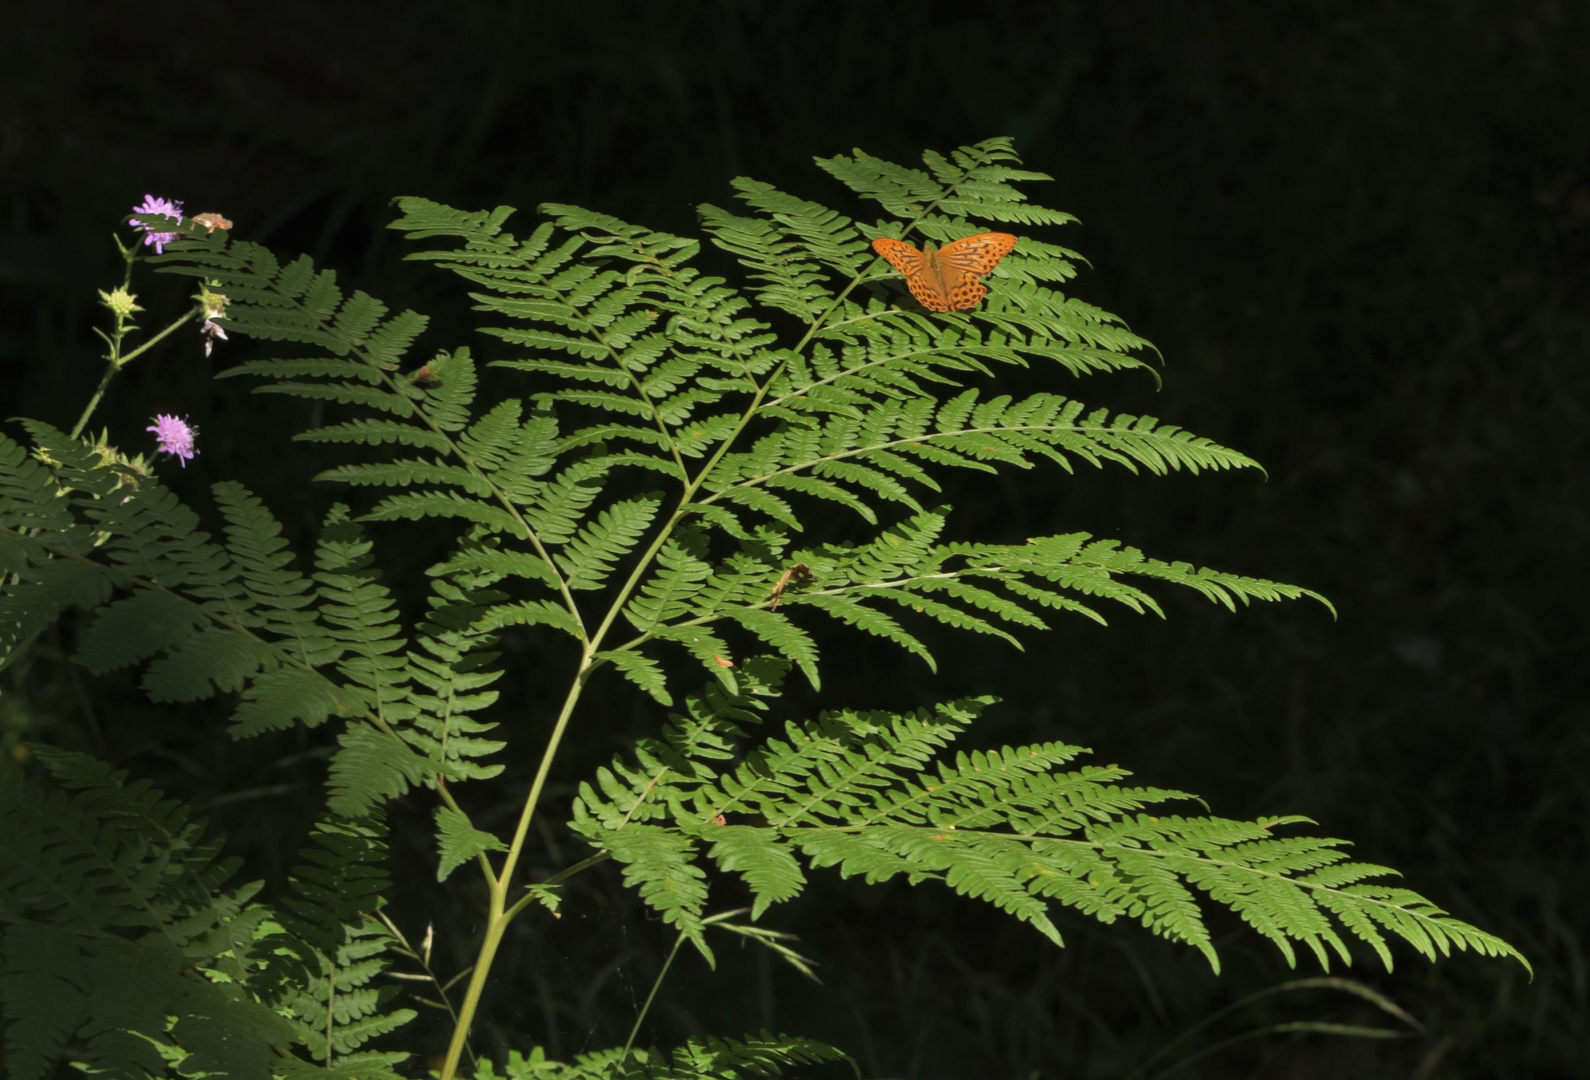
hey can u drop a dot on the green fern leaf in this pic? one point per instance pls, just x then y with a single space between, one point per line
339 882
758 856
783 635
118 911
590 555
371 767
460 841
865 618
46 1006
657 863
639 669
277 698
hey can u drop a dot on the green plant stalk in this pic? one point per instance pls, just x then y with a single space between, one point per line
656 984
499 915
1324 982
423 958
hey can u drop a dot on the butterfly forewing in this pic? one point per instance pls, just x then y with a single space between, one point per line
901 255
946 279
978 254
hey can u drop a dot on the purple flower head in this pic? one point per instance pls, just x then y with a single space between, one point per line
175 436
165 208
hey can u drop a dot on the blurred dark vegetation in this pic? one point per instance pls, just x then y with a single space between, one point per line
1358 233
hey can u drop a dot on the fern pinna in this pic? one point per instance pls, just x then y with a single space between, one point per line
645 497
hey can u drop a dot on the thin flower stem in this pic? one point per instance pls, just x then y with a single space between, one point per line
644 1009
152 342
93 402
656 984
129 257
422 959
117 362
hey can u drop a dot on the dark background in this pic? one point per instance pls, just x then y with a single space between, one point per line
1358 234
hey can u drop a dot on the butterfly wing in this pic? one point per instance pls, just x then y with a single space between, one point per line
978 254
901 255
963 261
921 270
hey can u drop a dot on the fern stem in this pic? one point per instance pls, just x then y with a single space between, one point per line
500 914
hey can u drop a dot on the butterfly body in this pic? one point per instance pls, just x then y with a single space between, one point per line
946 278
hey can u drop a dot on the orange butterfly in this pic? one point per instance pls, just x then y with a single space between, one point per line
946 279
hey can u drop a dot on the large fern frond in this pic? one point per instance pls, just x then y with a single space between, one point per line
873 795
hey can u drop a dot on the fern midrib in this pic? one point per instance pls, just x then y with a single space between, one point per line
687 498
640 392
509 506
788 598
893 358
847 780
1443 927
811 463
356 348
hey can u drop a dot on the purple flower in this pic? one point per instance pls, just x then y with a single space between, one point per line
175 436
165 208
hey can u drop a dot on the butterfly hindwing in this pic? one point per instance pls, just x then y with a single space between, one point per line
965 294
